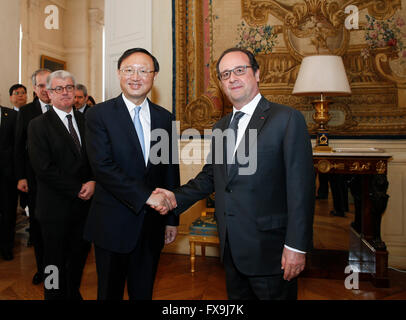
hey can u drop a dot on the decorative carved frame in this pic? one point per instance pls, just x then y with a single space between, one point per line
376 107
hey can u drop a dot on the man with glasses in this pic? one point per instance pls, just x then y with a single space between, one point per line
25 175
57 150
128 235
265 217
18 96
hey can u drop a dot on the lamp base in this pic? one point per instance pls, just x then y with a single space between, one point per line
322 140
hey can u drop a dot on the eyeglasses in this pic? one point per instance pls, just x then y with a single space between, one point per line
59 89
19 93
238 71
129 71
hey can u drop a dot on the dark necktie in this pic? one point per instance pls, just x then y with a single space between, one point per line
47 106
72 132
231 139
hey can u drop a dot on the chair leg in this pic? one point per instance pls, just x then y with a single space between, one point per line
192 256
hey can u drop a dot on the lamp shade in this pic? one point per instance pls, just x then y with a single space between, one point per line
322 74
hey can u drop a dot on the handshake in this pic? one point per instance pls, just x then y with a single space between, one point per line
162 200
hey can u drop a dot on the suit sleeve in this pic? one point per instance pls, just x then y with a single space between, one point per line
172 174
300 183
196 189
44 167
131 192
20 145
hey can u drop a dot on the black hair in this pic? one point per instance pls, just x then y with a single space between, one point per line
15 87
251 57
129 52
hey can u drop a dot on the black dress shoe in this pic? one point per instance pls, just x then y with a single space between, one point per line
7 255
38 278
337 213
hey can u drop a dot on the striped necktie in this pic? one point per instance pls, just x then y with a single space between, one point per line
73 132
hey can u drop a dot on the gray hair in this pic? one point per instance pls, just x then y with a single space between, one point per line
60 74
82 87
37 72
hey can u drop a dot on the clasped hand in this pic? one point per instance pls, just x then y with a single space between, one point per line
162 200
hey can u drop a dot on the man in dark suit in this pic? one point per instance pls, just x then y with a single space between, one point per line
24 173
128 235
8 191
18 96
56 146
264 208
80 103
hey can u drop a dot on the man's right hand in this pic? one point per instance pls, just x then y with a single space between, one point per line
162 200
22 185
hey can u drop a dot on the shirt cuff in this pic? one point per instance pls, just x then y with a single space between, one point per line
295 250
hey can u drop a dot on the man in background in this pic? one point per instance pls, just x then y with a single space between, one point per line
81 98
24 173
57 150
18 96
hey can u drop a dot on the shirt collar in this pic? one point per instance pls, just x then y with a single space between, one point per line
131 105
63 114
43 104
250 107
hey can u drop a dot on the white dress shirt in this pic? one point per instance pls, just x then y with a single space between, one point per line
62 115
43 106
248 110
82 109
145 118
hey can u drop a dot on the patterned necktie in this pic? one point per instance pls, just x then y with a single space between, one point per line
72 132
47 106
232 138
138 128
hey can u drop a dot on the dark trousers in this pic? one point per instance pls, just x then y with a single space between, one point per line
8 209
137 267
35 231
242 287
65 249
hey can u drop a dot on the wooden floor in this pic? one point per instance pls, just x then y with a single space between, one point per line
175 282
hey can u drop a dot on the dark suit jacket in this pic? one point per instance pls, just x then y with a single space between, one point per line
274 206
59 167
7 130
124 183
23 168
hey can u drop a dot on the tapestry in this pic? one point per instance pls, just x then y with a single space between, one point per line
370 36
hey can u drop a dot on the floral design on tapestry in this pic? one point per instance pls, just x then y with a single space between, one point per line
258 39
385 33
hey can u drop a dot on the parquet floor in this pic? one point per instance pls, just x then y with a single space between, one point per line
175 282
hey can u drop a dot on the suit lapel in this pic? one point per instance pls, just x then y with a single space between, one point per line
62 131
3 121
223 126
37 110
81 126
257 121
126 123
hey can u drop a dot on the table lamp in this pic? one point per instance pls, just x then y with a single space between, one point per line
322 75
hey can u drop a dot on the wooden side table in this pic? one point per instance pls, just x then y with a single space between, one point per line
203 233
367 252
203 241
